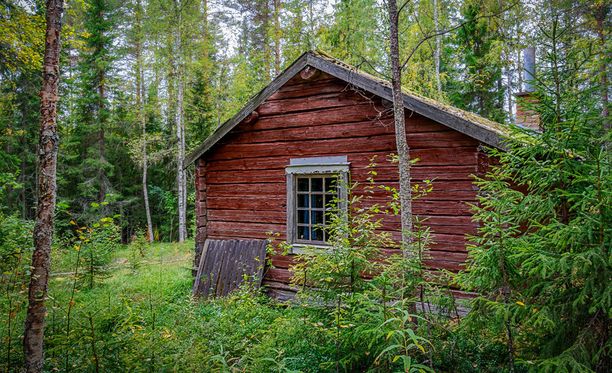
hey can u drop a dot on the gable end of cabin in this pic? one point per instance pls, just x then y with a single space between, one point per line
247 184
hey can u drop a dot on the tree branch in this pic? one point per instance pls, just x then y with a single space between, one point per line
451 29
402 7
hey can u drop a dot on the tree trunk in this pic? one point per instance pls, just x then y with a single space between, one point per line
145 191
101 123
601 14
140 101
506 292
438 46
181 178
277 37
403 152
47 163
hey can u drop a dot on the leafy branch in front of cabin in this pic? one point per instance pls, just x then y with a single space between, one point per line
363 287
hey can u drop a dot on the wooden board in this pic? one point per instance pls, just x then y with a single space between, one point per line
226 264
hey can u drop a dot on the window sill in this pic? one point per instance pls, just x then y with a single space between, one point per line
308 249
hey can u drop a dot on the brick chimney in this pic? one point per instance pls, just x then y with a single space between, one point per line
526 116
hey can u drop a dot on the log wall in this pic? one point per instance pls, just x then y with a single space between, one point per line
240 183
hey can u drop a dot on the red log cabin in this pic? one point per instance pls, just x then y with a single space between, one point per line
268 168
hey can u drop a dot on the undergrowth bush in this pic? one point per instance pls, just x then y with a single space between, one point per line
15 254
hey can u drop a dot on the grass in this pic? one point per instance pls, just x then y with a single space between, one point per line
141 317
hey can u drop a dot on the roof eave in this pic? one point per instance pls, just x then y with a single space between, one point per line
253 103
485 135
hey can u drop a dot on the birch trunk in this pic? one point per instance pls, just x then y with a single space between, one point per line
438 46
145 191
47 163
277 37
181 179
140 92
601 14
403 152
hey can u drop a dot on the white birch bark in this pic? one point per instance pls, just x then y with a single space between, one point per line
403 151
145 190
181 178
438 46
140 93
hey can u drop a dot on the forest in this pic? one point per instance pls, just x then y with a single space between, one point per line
102 101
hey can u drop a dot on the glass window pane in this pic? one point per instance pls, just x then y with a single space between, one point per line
317 217
302 184
315 196
316 184
303 233
303 216
330 185
303 200
317 234
316 201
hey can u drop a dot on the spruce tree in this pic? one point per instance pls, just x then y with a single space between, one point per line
477 86
542 255
87 142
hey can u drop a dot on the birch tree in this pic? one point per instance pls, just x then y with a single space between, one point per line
396 67
403 151
181 178
141 110
438 47
47 163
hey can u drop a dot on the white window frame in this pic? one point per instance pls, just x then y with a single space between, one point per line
313 166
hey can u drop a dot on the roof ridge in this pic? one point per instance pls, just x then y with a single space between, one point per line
432 101
470 124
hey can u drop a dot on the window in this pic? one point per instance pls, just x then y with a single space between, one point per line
313 185
316 196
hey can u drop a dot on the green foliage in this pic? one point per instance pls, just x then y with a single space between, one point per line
21 37
15 255
15 242
460 348
356 36
138 250
88 251
478 43
542 256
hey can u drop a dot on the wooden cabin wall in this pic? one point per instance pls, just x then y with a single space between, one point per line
240 183
201 212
